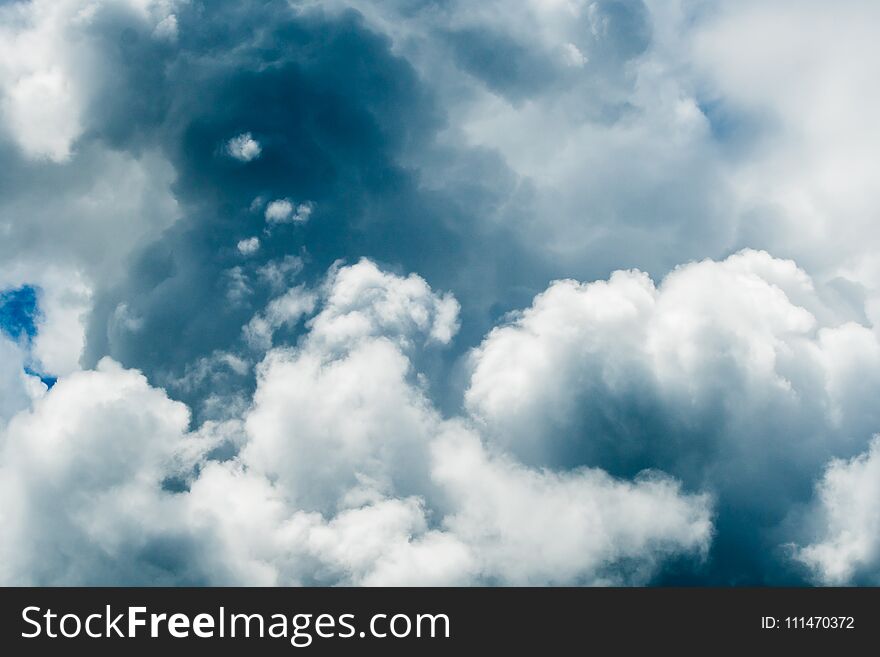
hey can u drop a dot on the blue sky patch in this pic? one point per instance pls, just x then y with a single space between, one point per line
19 312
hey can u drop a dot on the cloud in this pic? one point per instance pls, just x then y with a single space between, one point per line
40 104
280 274
346 156
371 467
605 531
255 537
639 158
286 309
612 157
718 376
489 149
77 238
749 328
575 408
17 388
50 55
343 472
48 320
347 387
810 193
359 408
64 302
84 500
248 246
244 147
363 301
847 549
167 29
283 211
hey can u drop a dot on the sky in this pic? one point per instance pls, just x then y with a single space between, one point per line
436 292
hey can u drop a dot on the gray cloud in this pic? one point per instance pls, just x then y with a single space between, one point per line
490 148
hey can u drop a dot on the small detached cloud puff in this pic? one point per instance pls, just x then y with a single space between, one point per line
244 147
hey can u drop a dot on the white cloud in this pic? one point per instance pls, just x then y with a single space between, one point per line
346 388
363 301
70 242
688 132
360 453
285 310
814 182
736 336
346 474
101 206
848 509
46 74
257 538
279 210
244 147
647 139
358 421
64 302
573 56
82 497
283 211
124 320
347 438
38 113
17 389
248 246
505 514
41 94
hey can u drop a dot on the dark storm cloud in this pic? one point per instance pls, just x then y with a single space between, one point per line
333 112
343 124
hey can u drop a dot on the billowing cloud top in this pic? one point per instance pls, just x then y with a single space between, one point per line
382 292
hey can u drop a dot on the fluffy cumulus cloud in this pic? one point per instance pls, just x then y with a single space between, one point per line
244 147
248 246
735 375
847 545
83 497
366 434
716 344
605 531
398 291
284 211
363 301
344 472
